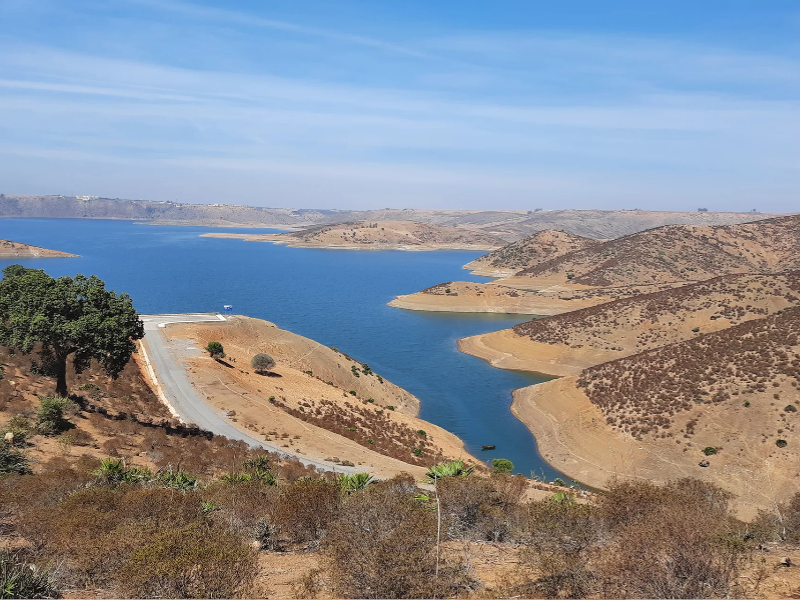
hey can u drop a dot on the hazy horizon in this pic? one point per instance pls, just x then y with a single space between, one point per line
504 106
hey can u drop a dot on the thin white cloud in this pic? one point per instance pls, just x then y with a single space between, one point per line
244 19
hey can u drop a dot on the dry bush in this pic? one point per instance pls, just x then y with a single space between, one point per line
561 537
303 513
190 562
674 541
383 545
478 508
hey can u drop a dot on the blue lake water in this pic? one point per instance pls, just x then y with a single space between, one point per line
337 297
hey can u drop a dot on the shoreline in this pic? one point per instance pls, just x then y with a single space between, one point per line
368 247
308 377
573 436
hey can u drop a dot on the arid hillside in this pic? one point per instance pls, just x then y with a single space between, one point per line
648 321
316 401
679 254
10 249
566 343
528 252
379 235
722 406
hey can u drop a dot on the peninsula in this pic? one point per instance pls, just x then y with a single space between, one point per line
9 249
316 403
378 235
649 261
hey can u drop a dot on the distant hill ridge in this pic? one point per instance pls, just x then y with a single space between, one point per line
511 224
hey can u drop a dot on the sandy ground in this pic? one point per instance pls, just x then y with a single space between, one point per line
10 249
573 436
506 350
495 298
245 395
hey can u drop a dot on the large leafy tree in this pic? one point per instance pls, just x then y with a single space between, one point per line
67 316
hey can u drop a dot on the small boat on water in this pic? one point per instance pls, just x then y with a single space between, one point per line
488 447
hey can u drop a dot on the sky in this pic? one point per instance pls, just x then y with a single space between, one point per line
460 104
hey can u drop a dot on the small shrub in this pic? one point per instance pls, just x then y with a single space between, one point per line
352 392
12 461
709 450
21 580
781 443
390 407
421 433
19 427
50 416
371 400
502 465
215 349
417 451
790 408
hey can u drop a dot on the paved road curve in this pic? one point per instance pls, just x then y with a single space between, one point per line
174 387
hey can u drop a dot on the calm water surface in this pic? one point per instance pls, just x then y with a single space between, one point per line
337 297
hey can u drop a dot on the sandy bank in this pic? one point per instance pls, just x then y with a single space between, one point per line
491 298
572 435
506 350
307 406
9 249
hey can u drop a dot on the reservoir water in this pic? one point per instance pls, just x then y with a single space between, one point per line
337 297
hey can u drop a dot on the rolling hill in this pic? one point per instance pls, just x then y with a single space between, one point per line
679 253
528 252
378 235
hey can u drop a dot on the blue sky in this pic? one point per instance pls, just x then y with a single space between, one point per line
414 103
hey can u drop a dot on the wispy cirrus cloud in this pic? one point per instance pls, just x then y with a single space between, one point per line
460 117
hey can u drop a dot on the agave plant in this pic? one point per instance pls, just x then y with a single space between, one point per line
448 468
260 461
180 480
237 477
264 476
355 482
137 475
112 470
22 580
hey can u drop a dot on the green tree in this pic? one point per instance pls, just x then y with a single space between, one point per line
262 362
502 465
215 349
67 316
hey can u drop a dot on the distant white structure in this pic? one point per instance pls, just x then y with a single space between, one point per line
87 197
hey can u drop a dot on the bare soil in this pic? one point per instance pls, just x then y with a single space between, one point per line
306 404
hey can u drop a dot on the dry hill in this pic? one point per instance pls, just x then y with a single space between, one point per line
528 252
656 259
509 224
379 235
679 253
566 343
721 406
10 249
